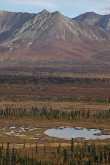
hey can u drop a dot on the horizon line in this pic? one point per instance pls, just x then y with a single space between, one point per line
29 12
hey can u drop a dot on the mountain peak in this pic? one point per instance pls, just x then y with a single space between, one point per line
4 12
90 18
92 13
57 13
87 15
45 11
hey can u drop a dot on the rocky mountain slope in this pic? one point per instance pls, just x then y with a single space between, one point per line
91 18
30 38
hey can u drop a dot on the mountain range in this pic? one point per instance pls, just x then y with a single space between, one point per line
29 38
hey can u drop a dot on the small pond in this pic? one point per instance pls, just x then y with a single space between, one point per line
76 133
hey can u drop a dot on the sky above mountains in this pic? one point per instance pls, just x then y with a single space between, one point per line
67 7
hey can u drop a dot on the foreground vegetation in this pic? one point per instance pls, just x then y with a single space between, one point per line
76 154
63 91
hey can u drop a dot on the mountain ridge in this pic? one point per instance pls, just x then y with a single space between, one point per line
50 36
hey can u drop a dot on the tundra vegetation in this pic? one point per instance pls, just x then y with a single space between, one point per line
52 102
76 154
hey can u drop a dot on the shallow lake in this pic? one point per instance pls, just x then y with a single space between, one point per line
76 133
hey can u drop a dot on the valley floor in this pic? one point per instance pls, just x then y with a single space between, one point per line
31 105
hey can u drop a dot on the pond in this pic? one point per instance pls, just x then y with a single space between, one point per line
76 133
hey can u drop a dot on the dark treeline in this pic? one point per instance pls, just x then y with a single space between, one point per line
44 78
49 113
76 154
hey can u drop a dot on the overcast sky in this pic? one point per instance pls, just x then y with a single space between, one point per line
67 7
